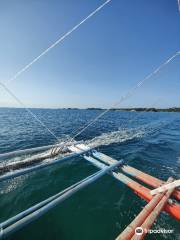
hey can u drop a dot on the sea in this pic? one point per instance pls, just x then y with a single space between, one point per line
148 141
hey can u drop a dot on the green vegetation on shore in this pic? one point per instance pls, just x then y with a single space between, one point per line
174 109
139 109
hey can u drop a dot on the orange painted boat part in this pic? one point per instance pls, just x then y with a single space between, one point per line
147 224
143 192
140 190
147 179
129 231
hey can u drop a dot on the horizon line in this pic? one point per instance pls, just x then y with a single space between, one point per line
91 108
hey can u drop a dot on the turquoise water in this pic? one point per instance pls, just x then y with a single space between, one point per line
147 141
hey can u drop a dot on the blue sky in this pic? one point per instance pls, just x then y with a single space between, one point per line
99 62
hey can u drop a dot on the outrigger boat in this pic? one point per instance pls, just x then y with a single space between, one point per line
162 201
164 197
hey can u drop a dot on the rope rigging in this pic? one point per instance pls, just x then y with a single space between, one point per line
58 41
55 150
4 86
107 165
123 98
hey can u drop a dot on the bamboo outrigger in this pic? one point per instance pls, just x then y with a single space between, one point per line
117 169
107 165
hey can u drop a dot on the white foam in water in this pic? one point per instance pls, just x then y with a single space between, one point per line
115 137
123 135
119 136
178 159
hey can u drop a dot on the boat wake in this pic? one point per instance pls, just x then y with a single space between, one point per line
119 136
115 137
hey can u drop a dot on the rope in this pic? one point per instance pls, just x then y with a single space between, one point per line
123 98
46 164
58 41
27 109
129 93
133 118
41 55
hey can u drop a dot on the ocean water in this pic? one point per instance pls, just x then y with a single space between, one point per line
148 141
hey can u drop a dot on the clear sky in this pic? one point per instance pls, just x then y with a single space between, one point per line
99 62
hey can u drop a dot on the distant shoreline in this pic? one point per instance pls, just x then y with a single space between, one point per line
176 109
136 109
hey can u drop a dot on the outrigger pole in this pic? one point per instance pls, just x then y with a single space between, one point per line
17 222
143 192
153 215
38 167
27 151
166 187
144 219
107 164
147 179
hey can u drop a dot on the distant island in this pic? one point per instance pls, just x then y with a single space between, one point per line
136 109
174 109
